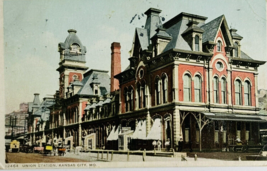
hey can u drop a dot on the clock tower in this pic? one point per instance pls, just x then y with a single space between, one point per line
72 62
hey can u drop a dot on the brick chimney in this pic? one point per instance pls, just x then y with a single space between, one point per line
115 65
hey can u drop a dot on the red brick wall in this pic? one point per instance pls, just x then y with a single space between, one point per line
131 83
192 70
83 107
243 76
74 73
168 71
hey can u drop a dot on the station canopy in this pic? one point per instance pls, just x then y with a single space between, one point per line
236 117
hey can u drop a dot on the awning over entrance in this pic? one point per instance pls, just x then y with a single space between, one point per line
236 117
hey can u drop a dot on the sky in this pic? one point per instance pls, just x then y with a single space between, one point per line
33 29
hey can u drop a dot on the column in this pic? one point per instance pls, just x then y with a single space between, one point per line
210 87
256 89
207 85
177 132
175 93
64 133
80 135
229 87
52 141
148 123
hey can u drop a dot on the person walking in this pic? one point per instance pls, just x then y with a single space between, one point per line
159 145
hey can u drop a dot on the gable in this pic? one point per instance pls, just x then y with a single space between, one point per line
212 28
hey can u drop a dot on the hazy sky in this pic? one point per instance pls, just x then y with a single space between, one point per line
33 29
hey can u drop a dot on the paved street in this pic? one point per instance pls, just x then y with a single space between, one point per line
92 157
38 158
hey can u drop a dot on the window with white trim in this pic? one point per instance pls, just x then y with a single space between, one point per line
223 90
219 46
197 87
165 88
196 43
187 88
238 92
216 89
247 93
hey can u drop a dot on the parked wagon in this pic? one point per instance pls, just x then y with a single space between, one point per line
38 149
48 149
14 146
61 151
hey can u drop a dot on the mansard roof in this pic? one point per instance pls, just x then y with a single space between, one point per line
95 76
71 39
178 25
211 29
66 47
143 37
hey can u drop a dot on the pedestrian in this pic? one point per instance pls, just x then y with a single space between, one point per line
180 145
159 145
154 143
167 145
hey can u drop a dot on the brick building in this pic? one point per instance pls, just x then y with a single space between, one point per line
188 80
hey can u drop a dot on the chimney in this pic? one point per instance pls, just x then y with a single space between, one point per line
153 21
115 65
36 100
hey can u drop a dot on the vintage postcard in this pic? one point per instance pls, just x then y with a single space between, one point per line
112 84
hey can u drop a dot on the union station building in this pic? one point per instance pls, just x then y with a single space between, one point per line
188 80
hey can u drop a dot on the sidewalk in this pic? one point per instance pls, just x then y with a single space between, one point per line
92 157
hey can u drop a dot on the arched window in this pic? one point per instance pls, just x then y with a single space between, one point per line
247 93
139 94
216 89
75 48
143 90
235 50
126 99
165 88
238 92
197 87
187 88
196 43
219 46
223 90
130 97
158 87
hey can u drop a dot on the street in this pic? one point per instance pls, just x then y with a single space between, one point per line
38 158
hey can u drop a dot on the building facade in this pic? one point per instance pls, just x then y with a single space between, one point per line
188 80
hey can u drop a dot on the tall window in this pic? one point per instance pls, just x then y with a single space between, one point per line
197 86
216 89
196 43
247 93
126 99
158 87
139 93
165 88
219 46
187 88
130 97
238 92
235 50
143 90
223 90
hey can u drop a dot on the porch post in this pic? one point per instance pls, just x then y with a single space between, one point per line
80 135
148 123
177 131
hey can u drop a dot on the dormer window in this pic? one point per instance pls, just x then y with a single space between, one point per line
75 48
235 50
75 77
96 90
196 43
219 46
